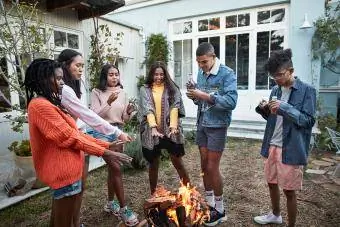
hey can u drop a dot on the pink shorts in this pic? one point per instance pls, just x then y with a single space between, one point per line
288 177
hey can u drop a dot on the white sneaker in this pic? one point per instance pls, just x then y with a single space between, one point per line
112 207
268 218
128 216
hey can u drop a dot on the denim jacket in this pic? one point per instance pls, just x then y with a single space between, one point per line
222 89
298 119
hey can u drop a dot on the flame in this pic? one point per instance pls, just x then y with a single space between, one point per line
196 210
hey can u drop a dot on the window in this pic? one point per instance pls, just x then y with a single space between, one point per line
267 41
237 57
4 88
209 24
182 61
182 28
270 16
239 20
66 40
215 41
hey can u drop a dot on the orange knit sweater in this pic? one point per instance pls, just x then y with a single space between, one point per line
57 145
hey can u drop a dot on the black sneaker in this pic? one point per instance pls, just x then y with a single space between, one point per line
215 218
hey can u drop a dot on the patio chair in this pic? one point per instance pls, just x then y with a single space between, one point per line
335 137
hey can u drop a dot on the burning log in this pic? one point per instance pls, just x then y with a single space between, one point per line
183 209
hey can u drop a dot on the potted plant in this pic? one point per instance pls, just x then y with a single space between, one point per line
23 158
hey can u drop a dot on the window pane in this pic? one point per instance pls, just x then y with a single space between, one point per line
187 27
263 17
214 23
242 61
60 39
230 21
187 61
73 41
262 54
178 62
230 51
243 20
177 28
276 42
278 15
215 41
5 101
202 40
203 25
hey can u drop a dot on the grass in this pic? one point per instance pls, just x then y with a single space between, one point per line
244 189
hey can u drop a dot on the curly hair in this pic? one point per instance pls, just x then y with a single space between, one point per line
279 59
38 80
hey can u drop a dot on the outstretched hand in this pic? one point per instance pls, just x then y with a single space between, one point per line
125 137
112 157
154 132
173 131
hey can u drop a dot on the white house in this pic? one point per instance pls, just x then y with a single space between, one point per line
72 29
243 33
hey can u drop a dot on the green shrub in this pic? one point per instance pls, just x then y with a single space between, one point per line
22 148
134 150
323 140
190 136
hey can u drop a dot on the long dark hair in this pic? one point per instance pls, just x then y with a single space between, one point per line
38 80
65 58
103 77
168 82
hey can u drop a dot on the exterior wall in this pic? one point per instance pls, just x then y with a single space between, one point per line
67 20
156 19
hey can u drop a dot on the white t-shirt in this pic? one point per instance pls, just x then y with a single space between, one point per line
79 110
277 134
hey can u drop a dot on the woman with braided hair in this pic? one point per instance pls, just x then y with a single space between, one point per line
57 145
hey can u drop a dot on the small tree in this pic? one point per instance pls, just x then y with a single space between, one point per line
23 37
104 48
326 39
157 49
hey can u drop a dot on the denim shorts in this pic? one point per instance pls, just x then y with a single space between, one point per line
68 190
212 138
101 136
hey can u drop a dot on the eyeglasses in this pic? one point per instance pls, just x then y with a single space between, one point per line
278 75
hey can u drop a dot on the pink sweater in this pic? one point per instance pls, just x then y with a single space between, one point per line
116 113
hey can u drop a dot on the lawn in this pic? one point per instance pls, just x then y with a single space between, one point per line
244 189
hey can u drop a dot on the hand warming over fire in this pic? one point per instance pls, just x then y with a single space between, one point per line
154 132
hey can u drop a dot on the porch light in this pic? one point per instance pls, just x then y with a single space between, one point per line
306 23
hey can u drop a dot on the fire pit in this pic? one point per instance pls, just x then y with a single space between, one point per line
186 208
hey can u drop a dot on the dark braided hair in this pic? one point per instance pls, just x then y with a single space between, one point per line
65 58
103 77
38 80
168 82
280 59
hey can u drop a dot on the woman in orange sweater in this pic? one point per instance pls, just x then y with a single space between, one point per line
57 144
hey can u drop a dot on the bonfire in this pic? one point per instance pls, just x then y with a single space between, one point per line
184 208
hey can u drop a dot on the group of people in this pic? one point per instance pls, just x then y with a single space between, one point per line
60 149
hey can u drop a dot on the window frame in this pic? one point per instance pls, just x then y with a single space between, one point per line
252 29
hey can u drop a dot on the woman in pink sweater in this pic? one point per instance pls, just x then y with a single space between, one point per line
111 103
57 145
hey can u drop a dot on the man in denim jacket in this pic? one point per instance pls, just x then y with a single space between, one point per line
290 117
216 96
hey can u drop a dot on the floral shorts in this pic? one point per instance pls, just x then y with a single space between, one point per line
288 177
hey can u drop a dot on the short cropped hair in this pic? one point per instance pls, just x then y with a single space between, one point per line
280 59
205 49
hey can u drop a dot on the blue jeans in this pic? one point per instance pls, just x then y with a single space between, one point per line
68 190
